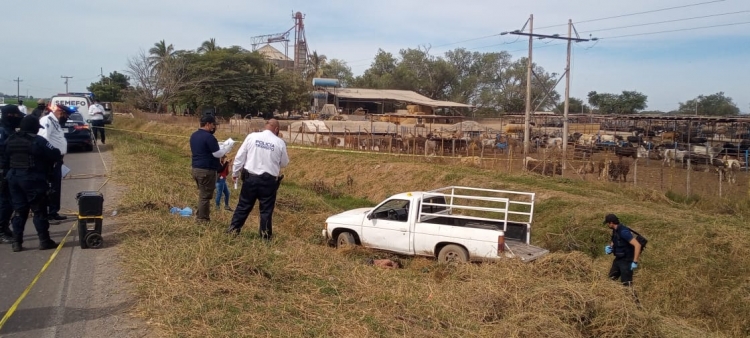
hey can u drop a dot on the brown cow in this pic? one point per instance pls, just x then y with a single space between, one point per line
543 167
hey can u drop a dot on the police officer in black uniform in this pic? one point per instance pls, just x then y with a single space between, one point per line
11 119
30 159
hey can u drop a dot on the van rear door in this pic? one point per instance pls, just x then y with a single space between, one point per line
81 102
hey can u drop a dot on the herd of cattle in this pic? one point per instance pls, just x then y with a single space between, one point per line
673 147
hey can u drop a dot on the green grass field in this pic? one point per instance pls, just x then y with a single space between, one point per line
194 281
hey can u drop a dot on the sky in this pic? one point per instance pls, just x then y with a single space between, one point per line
82 38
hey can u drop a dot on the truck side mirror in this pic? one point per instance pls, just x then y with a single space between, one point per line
369 216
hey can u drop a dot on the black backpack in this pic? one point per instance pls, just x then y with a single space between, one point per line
641 240
638 237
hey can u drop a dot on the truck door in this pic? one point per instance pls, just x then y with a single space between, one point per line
388 227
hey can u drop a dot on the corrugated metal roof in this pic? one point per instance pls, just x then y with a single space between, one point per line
396 95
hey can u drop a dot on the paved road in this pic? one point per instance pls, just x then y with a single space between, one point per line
81 293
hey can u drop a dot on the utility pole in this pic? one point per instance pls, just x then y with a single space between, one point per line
567 94
18 87
526 123
531 35
66 81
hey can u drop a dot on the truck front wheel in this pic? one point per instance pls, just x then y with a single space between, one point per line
453 253
345 239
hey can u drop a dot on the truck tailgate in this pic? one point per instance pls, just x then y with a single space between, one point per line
525 252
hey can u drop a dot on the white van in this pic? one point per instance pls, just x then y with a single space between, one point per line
82 102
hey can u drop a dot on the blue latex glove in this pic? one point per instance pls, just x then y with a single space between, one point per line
607 249
633 266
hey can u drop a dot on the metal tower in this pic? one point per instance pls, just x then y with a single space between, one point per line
300 42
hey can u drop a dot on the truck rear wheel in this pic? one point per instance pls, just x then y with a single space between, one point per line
345 239
453 253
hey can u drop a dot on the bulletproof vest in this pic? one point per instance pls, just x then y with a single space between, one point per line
19 147
621 248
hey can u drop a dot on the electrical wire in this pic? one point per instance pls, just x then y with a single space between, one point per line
666 21
674 30
467 40
638 13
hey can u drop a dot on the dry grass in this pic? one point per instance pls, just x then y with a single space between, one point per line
195 281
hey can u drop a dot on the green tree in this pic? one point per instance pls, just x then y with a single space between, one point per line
316 66
208 46
338 69
380 73
712 105
110 88
628 102
576 106
161 53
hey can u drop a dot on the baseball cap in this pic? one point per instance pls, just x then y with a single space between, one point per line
208 119
611 218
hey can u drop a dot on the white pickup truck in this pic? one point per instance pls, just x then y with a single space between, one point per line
452 223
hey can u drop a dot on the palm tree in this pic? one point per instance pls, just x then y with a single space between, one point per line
208 46
160 52
317 63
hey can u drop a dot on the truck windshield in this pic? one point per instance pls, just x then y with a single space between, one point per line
393 210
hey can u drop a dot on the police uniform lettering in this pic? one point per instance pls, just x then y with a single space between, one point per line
260 153
264 145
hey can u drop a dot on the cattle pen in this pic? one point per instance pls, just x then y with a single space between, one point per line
679 155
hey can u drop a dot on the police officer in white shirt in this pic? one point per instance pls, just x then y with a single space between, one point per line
53 124
96 115
259 161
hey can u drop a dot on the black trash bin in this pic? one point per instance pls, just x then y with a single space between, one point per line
90 217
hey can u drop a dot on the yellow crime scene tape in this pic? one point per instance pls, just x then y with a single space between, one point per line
25 292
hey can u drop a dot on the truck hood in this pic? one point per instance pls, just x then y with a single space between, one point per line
351 217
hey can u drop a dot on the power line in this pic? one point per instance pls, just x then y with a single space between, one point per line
676 30
467 40
639 13
666 21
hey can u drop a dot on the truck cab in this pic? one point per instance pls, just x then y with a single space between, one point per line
451 224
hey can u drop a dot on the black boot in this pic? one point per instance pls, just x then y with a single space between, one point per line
48 244
17 247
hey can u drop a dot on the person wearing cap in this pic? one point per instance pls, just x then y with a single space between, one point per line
259 160
52 131
625 248
96 115
41 109
22 108
11 119
29 158
205 164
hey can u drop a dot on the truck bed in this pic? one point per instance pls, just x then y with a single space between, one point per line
514 231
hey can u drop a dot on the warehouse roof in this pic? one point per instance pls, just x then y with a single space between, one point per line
407 96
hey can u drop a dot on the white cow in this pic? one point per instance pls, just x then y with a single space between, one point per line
671 156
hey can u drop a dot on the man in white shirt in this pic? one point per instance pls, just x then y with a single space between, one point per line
96 115
259 161
53 124
22 108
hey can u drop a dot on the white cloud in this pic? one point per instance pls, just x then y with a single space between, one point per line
77 37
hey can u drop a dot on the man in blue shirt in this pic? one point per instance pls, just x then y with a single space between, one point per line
206 154
625 248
